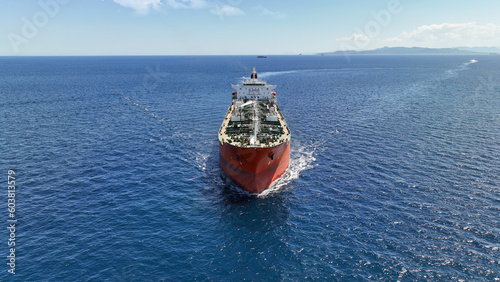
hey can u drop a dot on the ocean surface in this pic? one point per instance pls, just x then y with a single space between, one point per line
394 175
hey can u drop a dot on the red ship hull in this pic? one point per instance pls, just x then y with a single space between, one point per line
254 168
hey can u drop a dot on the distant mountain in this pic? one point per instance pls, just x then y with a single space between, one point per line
481 49
410 51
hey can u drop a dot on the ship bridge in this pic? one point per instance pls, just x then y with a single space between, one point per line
254 88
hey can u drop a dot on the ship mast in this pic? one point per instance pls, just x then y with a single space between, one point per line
256 124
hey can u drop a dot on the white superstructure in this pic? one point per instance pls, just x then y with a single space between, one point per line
254 89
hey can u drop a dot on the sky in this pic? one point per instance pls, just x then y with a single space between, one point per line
240 27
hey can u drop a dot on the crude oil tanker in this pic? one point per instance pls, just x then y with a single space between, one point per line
254 139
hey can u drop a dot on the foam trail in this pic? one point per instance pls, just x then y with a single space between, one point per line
301 159
454 72
273 73
465 65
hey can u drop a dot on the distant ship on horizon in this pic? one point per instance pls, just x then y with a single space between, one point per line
254 139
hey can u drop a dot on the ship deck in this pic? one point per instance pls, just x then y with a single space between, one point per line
254 123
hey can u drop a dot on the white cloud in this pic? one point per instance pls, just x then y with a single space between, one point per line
450 35
140 6
275 15
355 37
226 10
357 41
445 35
143 6
187 4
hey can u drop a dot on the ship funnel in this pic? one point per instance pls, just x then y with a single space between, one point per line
254 73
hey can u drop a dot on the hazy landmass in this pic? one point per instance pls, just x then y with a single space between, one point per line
420 51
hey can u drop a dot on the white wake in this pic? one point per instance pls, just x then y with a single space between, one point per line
301 159
454 72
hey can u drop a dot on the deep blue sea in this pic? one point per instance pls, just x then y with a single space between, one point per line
394 175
